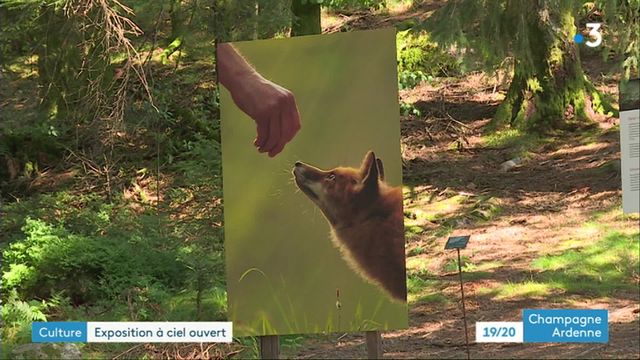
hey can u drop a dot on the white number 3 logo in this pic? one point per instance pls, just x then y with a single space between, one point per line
594 34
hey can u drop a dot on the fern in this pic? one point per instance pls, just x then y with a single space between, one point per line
17 316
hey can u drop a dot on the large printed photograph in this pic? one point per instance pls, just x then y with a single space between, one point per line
314 233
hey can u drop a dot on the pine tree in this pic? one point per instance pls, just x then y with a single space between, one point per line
548 88
241 20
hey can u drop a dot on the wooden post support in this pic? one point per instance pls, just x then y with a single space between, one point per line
269 347
374 344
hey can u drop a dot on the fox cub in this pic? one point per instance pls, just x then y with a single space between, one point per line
366 219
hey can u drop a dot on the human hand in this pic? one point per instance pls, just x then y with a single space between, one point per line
272 107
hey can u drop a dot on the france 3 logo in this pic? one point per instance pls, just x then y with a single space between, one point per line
594 35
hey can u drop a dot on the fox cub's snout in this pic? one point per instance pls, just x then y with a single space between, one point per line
365 215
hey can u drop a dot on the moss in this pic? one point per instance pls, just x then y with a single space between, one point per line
534 85
502 115
556 56
549 89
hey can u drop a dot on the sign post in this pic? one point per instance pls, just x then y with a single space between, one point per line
460 242
630 145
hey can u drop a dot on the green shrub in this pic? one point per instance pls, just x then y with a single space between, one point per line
410 79
420 59
50 260
407 109
17 316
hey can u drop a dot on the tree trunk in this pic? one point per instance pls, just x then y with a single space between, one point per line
306 18
549 89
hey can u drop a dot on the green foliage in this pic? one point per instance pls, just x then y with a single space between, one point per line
420 289
17 316
27 141
251 347
548 89
239 20
413 230
51 260
201 162
135 232
523 290
496 29
520 142
353 5
452 265
418 250
407 109
420 59
74 42
23 24
410 79
101 256
347 5
415 284
601 268
484 208
620 19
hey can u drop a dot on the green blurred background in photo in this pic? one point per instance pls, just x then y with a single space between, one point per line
282 269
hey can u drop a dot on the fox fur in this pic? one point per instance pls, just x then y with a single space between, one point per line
366 219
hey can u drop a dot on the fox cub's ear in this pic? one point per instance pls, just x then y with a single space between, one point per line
368 164
369 171
380 169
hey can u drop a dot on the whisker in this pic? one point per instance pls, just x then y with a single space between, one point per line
277 192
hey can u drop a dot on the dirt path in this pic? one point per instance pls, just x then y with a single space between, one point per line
563 197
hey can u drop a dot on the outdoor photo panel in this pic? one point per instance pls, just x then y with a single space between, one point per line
314 236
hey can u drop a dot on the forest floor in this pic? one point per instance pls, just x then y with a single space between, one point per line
547 233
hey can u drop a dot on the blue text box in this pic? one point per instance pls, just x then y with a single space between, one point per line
49 332
566 325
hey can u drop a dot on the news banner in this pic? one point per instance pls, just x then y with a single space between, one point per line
537 325
130 332
549 326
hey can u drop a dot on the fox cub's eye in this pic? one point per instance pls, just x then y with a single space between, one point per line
331 177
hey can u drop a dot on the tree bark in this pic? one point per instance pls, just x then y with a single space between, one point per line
306 18
549 89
